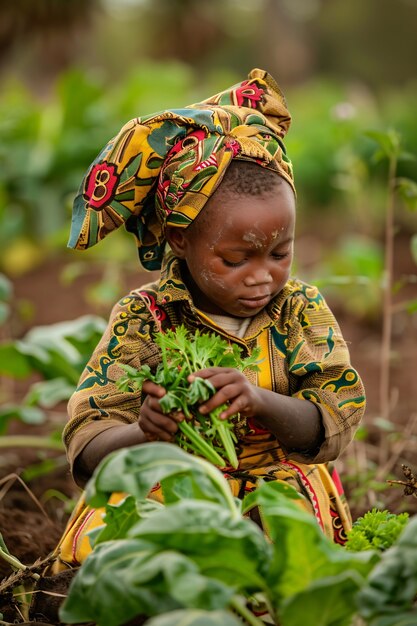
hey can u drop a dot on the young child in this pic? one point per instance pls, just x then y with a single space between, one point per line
213 181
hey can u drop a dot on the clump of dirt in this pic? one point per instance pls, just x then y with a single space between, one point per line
50 591
28 534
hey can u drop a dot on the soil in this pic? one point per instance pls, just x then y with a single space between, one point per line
33 512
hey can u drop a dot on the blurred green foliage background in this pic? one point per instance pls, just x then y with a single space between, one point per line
72 72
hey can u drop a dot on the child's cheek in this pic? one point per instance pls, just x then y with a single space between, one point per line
212 279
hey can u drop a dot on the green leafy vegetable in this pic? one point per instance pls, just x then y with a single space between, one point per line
184 354
389 596
138 469
199 552
163 582
195 617
376 530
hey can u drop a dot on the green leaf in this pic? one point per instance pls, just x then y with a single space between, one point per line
6 288
392 585
170 402
412 306
413 245
399 619
199 390
62 349
301 552
388 142
194 617
12 362
49 393
326 602
137 469
43 468
407 190
265 494
120 518
4 312
26 414
230 549
161 582
376 530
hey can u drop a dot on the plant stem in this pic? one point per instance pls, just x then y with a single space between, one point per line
225 437
238 606
201 444
30 441
387 293
15 563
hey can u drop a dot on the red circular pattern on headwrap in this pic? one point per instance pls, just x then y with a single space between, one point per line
248 95
100 185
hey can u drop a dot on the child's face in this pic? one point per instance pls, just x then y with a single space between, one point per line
240 258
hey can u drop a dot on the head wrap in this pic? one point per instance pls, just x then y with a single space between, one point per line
162 168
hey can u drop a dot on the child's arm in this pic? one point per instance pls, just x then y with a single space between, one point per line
152 425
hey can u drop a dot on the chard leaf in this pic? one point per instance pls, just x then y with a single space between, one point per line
119 518
301 552
326 602
162 581
137 469
230 549
195 617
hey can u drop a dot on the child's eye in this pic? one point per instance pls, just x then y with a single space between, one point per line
232 263
279 255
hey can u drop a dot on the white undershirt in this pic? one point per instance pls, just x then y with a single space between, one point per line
236 326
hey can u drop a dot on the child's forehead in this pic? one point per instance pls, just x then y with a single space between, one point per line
251 219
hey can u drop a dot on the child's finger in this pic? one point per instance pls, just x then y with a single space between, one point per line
222 378
163 429
226 394
233 409
209 372
152 389
178 416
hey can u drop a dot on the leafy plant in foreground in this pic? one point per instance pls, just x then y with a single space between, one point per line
200 552
183 355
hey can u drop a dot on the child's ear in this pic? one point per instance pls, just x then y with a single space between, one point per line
177 241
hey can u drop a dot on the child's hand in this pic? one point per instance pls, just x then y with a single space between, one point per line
232 387
155 424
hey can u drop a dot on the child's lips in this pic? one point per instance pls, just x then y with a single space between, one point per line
256 303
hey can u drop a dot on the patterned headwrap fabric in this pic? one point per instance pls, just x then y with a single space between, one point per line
161 169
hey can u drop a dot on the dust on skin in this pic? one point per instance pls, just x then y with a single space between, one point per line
208 276
259 239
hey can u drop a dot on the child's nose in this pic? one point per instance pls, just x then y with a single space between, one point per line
258 277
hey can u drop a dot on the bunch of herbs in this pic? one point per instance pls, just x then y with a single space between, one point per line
183 355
